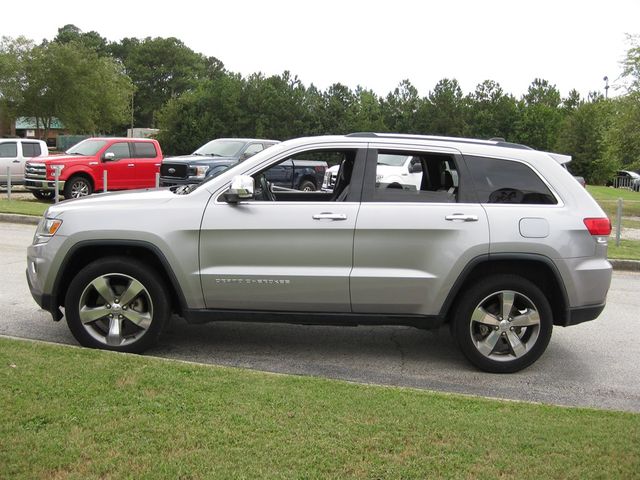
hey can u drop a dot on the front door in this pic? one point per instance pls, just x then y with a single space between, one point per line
283 251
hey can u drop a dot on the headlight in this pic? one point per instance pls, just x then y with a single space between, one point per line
47 228
201 171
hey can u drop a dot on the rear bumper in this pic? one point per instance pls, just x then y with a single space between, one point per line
579 315
43 185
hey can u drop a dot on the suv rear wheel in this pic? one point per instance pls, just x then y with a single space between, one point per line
503 324
117 304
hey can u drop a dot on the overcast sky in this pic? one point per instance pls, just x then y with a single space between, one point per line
376 44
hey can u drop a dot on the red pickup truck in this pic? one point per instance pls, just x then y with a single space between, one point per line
129 162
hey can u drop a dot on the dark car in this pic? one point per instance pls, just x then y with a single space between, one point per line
209 160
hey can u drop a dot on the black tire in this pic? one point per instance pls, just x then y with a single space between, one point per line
307 186
43 194
99 318
493 343
77 187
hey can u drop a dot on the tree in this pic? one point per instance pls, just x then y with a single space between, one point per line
68 81
582 134
91 40
540 116
491 113
445 109
400 108
161 69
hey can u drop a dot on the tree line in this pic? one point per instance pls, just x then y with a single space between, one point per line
95 86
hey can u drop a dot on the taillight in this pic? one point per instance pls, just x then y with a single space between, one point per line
319 169
598 226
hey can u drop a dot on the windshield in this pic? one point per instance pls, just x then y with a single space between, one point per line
87 148
391 160
221 148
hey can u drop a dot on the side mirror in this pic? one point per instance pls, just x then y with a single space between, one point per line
108 156
415 168
241 188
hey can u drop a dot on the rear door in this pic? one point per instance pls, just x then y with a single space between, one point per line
147 164
412 242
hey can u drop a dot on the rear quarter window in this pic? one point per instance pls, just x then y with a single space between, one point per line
506 181
31 149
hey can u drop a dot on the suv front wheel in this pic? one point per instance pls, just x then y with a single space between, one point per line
117 304
503 323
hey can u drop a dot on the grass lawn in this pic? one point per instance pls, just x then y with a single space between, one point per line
628 249
78 413
608 197
24 207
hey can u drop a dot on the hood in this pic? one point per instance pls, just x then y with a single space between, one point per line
198 159
124 200
55 159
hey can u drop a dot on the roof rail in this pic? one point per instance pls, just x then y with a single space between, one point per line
497 142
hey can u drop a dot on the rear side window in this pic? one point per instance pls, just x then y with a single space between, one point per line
415 177
31 149
504 181
8 150
144 150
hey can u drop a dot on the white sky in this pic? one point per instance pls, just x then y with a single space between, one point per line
376 44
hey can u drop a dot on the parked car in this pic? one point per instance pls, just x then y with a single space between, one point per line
209 160
623 179
14 153
130 163
499 241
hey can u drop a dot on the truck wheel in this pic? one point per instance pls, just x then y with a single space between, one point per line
503 323
307 186
43 194
117 303
77 187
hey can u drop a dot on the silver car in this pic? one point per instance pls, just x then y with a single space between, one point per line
495 239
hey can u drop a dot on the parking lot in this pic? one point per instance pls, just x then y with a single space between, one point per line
593 364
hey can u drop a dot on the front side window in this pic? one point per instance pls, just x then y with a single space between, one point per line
144 150
299 177
31 149
120 150
415 177
505 181
252 150
8 150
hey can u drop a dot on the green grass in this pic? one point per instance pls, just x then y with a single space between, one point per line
608 197
628 249
77 413
24 207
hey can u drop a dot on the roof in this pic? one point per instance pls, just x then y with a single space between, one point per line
29 123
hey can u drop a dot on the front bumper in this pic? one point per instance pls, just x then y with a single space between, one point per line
170 182
45 301
43 185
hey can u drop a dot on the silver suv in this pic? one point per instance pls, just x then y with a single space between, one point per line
496 239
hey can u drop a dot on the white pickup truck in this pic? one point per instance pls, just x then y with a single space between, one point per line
14 152
393 171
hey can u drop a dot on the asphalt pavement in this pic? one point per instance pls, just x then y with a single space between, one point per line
595 364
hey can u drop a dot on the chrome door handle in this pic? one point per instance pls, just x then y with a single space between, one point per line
329 216
461 217
131 165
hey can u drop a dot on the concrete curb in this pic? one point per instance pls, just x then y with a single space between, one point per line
17 218
629 265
